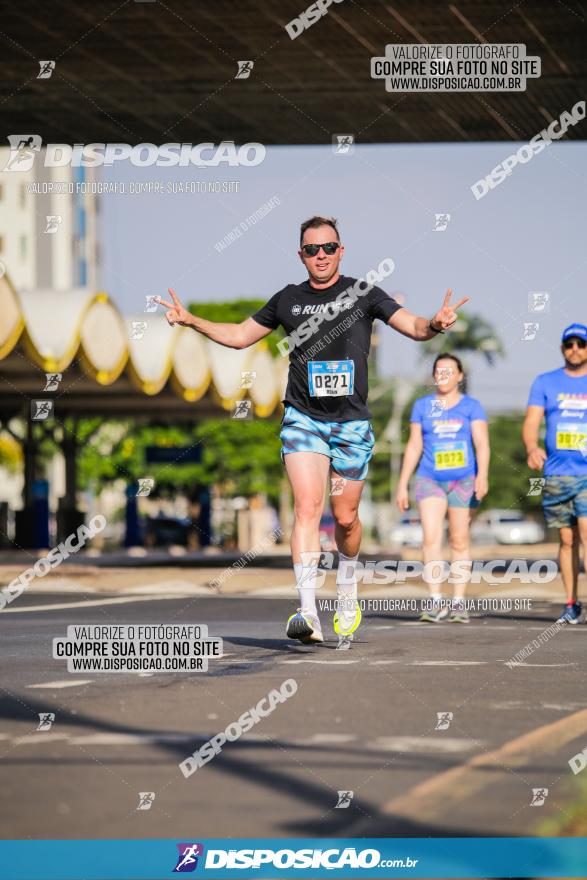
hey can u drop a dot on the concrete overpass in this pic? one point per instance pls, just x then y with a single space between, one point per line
165 71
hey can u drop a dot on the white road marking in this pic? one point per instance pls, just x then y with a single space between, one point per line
424 744
541 665
327 738
238 659
147 739
383 662
571 628
413 744
61 684
471 629
121 600
461 786
507 704
129 739
563 707
446 663
185 588
38 739
327 662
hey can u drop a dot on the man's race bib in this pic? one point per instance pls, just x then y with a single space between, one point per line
331 378
571 437
450 456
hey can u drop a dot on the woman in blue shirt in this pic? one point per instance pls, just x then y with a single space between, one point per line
449 443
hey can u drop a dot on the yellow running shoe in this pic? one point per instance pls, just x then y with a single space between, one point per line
347 618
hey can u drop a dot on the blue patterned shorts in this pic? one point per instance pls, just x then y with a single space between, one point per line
564 500
348 445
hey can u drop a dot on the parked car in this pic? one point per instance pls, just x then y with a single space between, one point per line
408 532
506 527
163 531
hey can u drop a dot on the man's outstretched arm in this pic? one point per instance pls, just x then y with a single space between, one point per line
421 329
231 335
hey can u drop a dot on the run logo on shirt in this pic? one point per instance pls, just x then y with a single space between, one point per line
448 427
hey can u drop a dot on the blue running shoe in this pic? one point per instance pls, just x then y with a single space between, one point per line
571 614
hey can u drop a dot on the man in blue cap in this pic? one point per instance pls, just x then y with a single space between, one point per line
561 396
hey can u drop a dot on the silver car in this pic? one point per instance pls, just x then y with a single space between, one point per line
408 531
506 527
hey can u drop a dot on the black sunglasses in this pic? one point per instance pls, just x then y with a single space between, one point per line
329 248
569 343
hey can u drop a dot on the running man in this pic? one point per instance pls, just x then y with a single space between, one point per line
561 396
325 427
450 440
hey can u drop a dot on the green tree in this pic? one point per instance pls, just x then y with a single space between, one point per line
509 475
234 313
470 333
240 457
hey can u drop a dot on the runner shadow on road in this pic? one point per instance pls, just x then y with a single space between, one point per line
300 782
280 646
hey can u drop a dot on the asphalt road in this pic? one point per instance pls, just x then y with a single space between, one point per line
362 721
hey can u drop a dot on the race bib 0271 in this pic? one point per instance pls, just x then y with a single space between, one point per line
331 378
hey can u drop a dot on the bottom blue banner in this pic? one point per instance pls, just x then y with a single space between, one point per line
526 857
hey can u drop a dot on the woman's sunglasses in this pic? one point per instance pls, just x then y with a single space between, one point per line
329 248
570 343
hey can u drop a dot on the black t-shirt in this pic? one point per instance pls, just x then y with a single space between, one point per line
328 338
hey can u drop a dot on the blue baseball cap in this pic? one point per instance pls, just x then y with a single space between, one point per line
579 330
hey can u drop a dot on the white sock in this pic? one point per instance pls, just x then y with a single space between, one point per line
306 585
346 582
436 598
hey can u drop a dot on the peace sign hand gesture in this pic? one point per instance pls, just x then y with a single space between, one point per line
446 316
176 314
